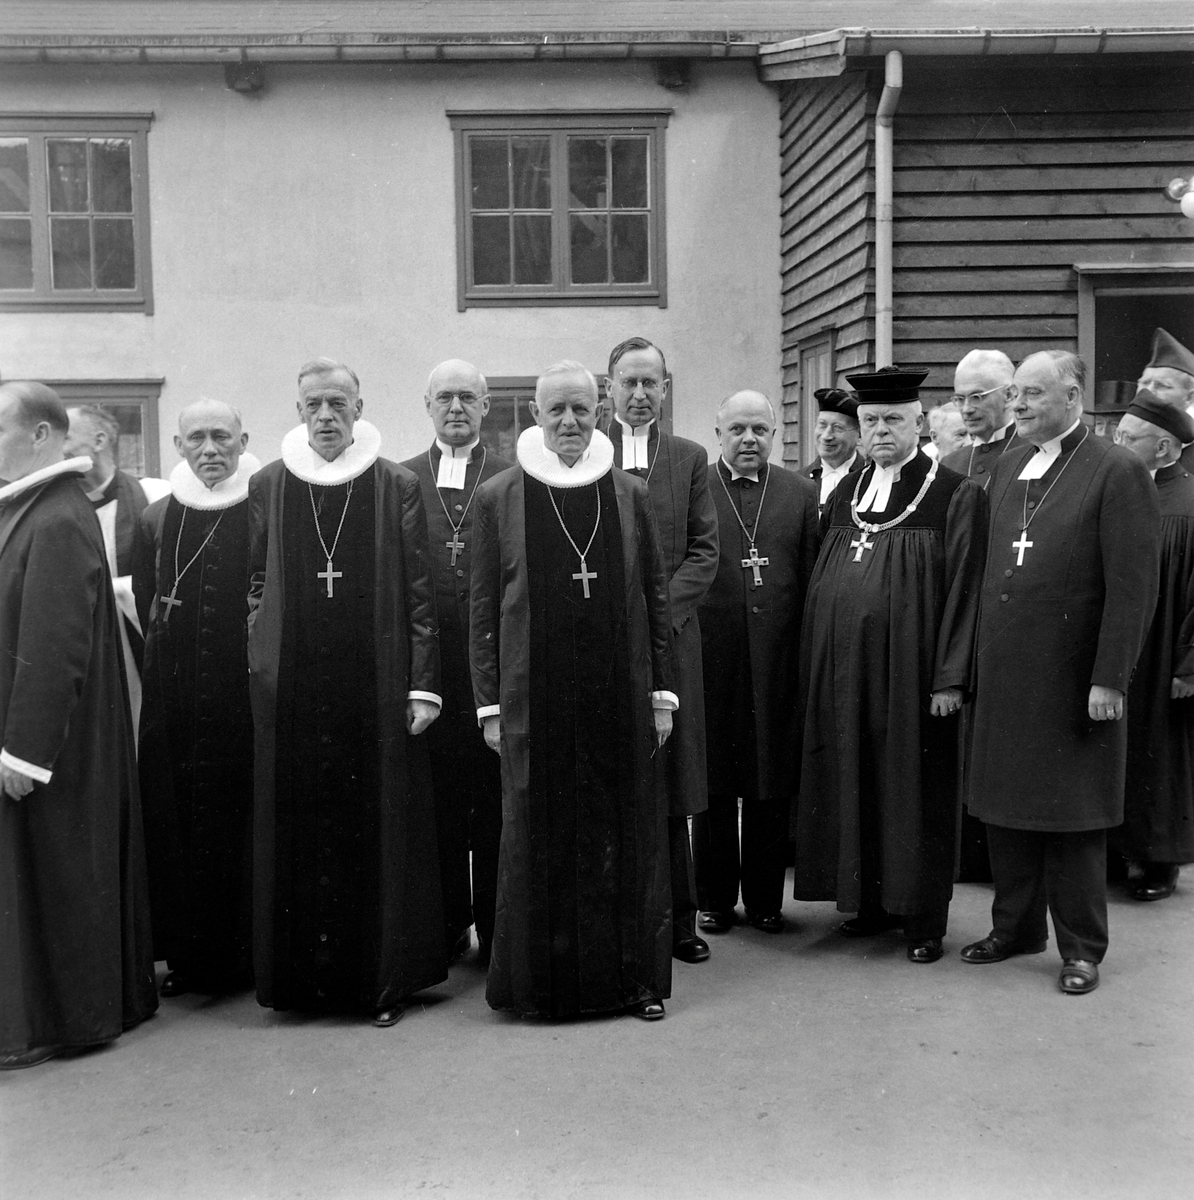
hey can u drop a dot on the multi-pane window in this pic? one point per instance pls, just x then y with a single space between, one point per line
73 212
560 208
134 404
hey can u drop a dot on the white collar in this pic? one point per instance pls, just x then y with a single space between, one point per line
844 469
753 476
544 465
98 493
191 492
638 431
999 434
1046 454
68 466
465 452
635 453
877 496
453 464
354 460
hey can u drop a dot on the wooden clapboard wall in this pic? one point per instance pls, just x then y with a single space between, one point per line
1007 173
827 207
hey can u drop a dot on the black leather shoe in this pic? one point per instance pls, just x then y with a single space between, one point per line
175 984
993 949
648 1010
717 922
691 949
868 926
1078 976
385 1017
29 1058
1158 881
927 951
767 922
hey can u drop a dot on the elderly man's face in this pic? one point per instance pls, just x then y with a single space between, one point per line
982 398
837 436
457 401
1141 437
746 429
1046 405
329 406
84 437
890 432
948 431
638 386
567 413
211 440
1168 384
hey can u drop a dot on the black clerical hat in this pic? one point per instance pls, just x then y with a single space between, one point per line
836 400
1169 417
1169 352
888 385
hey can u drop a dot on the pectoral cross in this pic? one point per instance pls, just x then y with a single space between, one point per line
170 602
1020 546
329 575
754 562
584 575
860 544
455 545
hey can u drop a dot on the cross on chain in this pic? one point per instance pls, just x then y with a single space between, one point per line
754 562
1020 546
171 603
584 575
455 545
860 544
329 575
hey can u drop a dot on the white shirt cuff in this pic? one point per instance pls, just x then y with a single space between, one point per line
490 710
667 700
429 696
37 774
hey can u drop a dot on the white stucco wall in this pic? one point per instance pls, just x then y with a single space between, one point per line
319 218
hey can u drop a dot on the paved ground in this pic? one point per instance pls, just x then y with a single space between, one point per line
794 1066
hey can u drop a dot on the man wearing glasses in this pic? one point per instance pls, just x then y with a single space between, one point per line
984 394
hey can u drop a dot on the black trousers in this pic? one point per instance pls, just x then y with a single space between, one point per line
1063 873
684 904
759 868
485 838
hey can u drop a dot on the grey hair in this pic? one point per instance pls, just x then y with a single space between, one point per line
101 418
1067 365
566 367
236 413
938 414
993 362
37 403
326 366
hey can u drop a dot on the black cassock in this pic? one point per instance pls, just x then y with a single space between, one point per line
196 750
884 628
1159 791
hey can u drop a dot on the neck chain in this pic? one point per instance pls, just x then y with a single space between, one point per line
456 545
171 602
329 575
584 574
867 526
752 562
1026 516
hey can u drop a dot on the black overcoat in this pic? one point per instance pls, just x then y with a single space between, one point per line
978 461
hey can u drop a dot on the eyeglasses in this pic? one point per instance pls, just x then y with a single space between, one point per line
465 398
1127 439
975 397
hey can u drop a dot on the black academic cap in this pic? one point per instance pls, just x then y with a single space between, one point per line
1169 352
888 385
1169 417
836 400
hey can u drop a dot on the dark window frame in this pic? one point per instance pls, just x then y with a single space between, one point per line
108 392
43 297
651 123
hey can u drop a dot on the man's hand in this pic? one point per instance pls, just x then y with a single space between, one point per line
14 784
945 702
491 727
1181 687
1105 704
420 714
663 725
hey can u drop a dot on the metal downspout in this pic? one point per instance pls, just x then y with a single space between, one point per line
893 82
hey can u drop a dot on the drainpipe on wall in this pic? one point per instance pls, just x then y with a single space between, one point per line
893 81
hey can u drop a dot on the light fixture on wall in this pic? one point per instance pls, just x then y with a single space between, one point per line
1182 191
243 77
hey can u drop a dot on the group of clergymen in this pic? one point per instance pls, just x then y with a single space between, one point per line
682 667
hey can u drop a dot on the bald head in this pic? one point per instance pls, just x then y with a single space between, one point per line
211 440
746 429
457 400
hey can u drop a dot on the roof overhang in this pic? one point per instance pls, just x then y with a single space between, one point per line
831 53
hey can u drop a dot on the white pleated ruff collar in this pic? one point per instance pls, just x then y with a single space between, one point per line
310 467
191 492
544 465
68 466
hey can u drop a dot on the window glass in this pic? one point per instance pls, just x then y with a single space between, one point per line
628 157
14 175
590 237
490 172
112 176
531 162
16 253
532 248
67 164
115 267
70 253
586 172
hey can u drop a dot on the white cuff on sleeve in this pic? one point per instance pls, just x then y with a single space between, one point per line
668 700
431 697
37 774
490 710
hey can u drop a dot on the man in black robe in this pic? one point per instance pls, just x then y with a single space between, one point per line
466 775
1169 375
570 640
76 955
190 579
1069 591
886 663
1158 829
836 434
344 672
750 633
676 474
